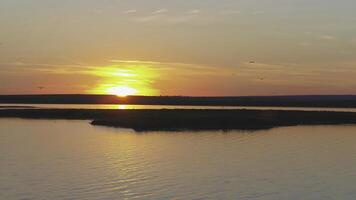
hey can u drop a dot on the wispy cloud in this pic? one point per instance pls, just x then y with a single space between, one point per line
327 37
131 11
162 16
169 66
194 11
88 69
278 78
160 11
148 18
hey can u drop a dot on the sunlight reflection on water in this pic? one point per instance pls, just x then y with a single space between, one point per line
42 159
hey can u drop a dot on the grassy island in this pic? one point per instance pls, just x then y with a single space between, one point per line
173 120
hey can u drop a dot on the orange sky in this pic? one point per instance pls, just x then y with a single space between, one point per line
155 78
195 48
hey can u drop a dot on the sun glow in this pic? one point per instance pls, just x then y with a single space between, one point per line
122 91
125 80
122 107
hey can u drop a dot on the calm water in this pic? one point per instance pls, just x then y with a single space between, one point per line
73 160
131 107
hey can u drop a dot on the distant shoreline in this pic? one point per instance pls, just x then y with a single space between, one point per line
179 120
326 101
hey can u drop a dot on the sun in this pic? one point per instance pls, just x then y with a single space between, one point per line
122 91
125 80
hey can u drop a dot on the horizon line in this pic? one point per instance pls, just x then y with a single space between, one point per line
189 96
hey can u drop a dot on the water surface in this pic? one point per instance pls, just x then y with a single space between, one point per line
43 159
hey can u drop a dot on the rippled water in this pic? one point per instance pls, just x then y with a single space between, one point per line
73 160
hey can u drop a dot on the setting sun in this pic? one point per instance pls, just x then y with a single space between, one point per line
125 79
122 91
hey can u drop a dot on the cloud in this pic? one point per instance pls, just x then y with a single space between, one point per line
148 18
130 11
23 67
196 16
160 18
169 66
160 11
15 67
194 11
242 68
327 37
156 15
244 77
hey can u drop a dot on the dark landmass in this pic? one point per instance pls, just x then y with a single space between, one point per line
335 101
176 120
19 107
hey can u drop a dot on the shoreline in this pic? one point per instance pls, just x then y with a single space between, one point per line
185 120
325 101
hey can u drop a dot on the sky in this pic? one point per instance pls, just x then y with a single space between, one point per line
178 47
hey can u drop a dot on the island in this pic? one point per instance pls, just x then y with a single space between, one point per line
182 120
